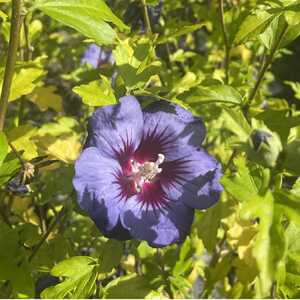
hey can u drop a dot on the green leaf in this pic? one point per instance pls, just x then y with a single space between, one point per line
80 276
22 139
89 17
111 255
262 208
273 31
127 287
95 93
253 25
274 120
209 224
188 81
269 244
45 97
132 62
14 266
292 32
216 93
3 147
182 31
241 185
185 262
292 13
236 122
24 82
289 204
8 169
219 271
292 157
59 140
295 87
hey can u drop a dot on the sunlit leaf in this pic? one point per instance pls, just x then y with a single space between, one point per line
96 93
216 93
3 147
45 97
89 17
80 276
129 286
24 82
110 255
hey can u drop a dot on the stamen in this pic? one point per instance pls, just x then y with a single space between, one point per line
146 172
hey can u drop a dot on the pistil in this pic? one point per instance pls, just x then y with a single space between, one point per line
145 172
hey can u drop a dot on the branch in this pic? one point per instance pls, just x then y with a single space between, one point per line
265 66
51 227
16 21
225 38
146 18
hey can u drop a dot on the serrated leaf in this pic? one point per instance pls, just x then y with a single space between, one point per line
182 31
295 86
289 204
253 25
89 17
22 139
14 265
274 120
59 139
236 122
111 255
8 169
80 276
24 82
216 93
3 147
127 287
209 224
269 243
96 93
240 185
45 97
273 31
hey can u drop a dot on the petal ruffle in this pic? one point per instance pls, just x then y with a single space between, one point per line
187 126
116 130
166 128
192 179
98 193
158 227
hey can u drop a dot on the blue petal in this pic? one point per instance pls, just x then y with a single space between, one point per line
158 227
116 128
186 126
97 192
91 55
196 181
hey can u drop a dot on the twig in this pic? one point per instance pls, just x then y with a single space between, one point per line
28 49
225 38
22 162
165 274
264 67
232 156
215 257
50 228
16 21
146 18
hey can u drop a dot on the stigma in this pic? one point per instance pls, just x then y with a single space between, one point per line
145 172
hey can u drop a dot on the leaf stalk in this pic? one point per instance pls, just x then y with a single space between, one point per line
16 21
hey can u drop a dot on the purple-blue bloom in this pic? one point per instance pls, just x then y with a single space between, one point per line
96 56
143 172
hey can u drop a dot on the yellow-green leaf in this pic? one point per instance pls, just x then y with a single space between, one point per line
96 93
45 97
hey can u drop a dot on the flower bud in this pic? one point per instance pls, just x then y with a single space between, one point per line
264 147
292 157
